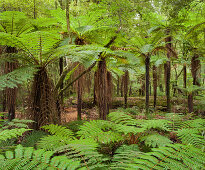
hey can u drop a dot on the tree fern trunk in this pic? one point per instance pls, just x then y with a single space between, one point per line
147 64
43 105
168 70
155 84
184 75
126 81
11 93
102 89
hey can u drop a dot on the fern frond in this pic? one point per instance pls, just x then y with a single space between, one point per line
122 118
58 130
99 130
18 76
156 140
84 150
191 136
28 158
13 133
51 142
124 155
159 124
174 156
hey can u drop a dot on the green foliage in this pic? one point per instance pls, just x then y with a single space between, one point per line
28 158
156 140
60 131
11 133
124 155
99 130
16 77
32 138
176 156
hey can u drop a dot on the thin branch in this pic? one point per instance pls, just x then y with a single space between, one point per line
71 83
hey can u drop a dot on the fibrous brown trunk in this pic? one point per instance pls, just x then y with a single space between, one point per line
43 104
118 85
121 86
155 84
168 70
103 88
11 93
147 64
126 82
190 103
195 69
184 75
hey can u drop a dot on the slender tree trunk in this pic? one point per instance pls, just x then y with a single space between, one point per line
130 90
11 93
121 87
190 103
79 104
147 64
184 75
168 71
126 82
34 9
155 84
160 80
118 85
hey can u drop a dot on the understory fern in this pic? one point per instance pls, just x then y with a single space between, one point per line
28 158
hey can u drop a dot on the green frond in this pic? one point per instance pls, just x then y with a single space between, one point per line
28 158
124 155
99 130
58 130
17 123
175 156
11 133
122 118
156 140
159 124
84 150
18 76
51 142
191 137
31 139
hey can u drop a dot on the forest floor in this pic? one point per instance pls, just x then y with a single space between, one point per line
89 111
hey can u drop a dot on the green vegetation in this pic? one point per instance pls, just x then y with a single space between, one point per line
102 84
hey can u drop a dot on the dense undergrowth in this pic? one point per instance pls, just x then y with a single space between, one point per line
171 141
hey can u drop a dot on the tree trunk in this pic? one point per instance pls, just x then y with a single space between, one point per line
121 87
126 82
190 103
118 85
11 93
195 69
103 88
147 64
168 70
155 84
79 104
184 75
43 105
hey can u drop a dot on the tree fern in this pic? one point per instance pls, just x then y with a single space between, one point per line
28 158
